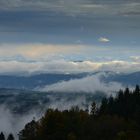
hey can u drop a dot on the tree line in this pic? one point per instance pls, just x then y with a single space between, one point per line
10 136
117 118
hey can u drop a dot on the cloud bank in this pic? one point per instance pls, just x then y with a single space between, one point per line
51 58
90 84
65 66
13 123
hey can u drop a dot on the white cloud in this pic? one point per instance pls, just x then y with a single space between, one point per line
31 58
12 123
60 66
120 66
64 66
103 39
135 58
90 84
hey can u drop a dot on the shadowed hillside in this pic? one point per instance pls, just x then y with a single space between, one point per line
116 119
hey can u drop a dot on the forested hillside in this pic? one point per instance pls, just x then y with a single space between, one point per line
116 119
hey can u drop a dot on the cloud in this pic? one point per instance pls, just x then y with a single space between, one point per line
131 9
13 123
65 66
32 58
60 66
90 84
72 7
135 58
59 21
37 50
131 13
103 39
68 101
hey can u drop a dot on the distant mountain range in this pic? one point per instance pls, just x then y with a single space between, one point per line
130 79
40 80
33 81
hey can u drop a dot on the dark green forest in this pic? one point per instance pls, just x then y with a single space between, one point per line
116 118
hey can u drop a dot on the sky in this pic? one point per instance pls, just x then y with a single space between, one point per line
69 36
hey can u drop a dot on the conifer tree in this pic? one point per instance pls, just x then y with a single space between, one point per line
137 89
2 137
93 108
10 137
